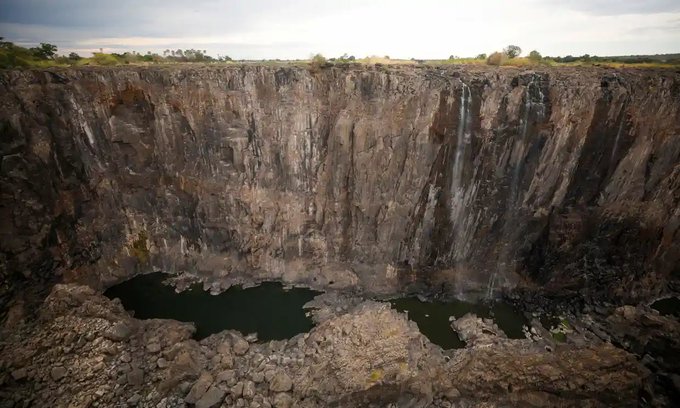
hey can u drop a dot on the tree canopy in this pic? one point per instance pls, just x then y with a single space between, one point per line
512 51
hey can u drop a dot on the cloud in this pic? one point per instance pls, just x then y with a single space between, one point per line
619 7
296 28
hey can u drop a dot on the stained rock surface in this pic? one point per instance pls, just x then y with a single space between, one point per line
367 355
374 178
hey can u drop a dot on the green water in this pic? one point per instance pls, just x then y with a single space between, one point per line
432 318
668 306
269 310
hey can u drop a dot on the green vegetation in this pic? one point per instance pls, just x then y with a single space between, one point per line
317 62
46 55
535 56
376 375
497 58
139 247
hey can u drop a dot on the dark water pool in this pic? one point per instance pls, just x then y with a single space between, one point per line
269 310
668 306
432 318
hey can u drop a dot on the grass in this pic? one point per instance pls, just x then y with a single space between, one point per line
14 56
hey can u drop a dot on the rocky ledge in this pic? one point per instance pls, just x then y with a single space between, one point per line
85 350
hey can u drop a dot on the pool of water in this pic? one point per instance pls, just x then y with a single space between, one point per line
432 318
668 306
270 310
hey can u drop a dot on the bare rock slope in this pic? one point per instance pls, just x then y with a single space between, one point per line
85 350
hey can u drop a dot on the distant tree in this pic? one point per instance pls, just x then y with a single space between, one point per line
496 58
351 58
535 56
74 56
387 57
512 51
45 51
481 56
453 57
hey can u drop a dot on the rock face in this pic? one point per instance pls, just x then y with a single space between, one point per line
372 177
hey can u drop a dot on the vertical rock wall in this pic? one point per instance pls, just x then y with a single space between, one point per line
463 178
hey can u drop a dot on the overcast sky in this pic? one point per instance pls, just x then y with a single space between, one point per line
288 29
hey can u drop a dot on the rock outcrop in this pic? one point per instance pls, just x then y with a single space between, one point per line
372 177
368 355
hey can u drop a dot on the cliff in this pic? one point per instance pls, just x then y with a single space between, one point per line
375 177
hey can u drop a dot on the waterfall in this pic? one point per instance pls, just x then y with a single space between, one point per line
534 109
463 139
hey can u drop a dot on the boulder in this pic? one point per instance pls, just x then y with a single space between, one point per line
281 382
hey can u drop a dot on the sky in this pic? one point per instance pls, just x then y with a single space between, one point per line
291 29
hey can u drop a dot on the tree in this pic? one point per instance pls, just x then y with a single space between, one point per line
74 56
45 51
512 51
5 44
481 56
535 56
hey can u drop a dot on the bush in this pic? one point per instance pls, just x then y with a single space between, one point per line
104 59
535 56
496 58
481 56
317 62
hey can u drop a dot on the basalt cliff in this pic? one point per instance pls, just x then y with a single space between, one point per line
376 178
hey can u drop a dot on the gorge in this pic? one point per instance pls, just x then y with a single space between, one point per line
557 188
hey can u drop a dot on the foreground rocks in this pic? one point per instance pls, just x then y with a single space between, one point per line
77 354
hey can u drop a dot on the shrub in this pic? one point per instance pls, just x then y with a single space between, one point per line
104 59
496 58
535 56
481 56
317 62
